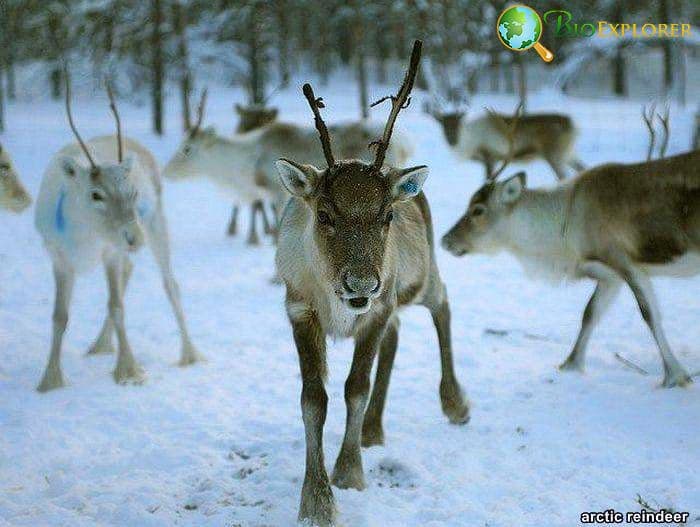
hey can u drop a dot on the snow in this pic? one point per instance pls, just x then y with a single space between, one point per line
222 444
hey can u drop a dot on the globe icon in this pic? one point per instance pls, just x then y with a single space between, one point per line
519 27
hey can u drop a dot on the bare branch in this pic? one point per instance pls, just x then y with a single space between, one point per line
631 364
315 104
200 113
648 117
511 128
664 118
398 102
82 144
113 107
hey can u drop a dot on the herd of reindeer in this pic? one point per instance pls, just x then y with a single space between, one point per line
355 240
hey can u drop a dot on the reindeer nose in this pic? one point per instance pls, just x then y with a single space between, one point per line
361 284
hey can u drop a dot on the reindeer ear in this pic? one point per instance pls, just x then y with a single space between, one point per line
407 183
512 188
299 180
70 166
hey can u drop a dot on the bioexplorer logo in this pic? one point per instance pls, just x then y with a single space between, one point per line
520 28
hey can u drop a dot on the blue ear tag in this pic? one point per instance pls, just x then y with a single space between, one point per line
410 187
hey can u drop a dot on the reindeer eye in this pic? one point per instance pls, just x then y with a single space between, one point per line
323 218
389 217
96 196
4 166
187 150
478 210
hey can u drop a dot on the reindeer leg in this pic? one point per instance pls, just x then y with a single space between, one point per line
253 232
159 242
348 471
317 503
639 283
372 430
53 377
233 222
267 226
127 369
103 343
605 292
454 404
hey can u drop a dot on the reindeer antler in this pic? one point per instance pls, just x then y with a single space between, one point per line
113 107
663 118
325 137
72 124
398 102
648 117
510 134
200 113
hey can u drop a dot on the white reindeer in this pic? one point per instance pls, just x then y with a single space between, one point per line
13 196
103 211
243 166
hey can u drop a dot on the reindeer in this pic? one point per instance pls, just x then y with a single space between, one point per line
13 196
540 136
251 118
103 211
355 244
243 166
614 224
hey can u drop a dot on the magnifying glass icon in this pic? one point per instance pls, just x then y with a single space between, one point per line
519 28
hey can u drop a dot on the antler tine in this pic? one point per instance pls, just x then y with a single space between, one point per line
398 102
325 137
72 124
200 113
648 121
664 118
113 107
510 132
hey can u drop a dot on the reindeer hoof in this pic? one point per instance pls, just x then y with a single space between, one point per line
51 381
679 378
317 504
129 373
190 356
372 435
571 365
454 404
100 347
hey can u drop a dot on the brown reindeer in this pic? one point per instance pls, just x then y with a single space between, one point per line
615 224
550 137
355 244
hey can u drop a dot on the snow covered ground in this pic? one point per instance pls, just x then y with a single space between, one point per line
221 443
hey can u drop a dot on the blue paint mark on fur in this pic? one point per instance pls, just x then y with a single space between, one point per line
143 209
60 218
410 187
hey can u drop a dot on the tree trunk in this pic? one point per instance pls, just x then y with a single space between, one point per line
158 65
180 29
619 74
2 101
618 61
522 82
495 71
256 58
362 80
667 45
282 42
